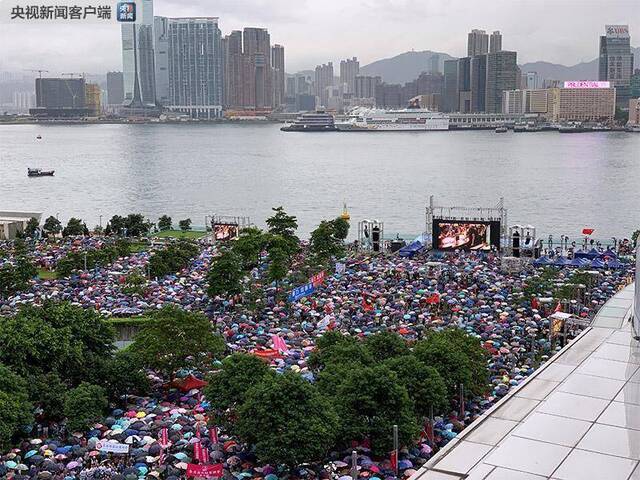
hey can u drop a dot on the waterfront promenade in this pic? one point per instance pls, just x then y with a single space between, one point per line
576 418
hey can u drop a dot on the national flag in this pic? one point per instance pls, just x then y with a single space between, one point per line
394 460
535 304
213 435
558 307
164 437
587 231
279 344
433 298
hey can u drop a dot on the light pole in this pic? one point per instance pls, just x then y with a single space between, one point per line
100 222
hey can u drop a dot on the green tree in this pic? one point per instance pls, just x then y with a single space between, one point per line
56 337
458 358
287 421
384 345
32 227
228 387
116 225
164 223
282 230
136 225
173 258
340 228
84 406
47 391
278 265
135 283
52 226
621 116
15 408
425 386
324 244
251 242
332 349
122 375
14 277
174 338
369 401
74 227
225 275
185 225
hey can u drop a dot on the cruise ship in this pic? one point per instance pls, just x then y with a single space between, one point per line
363 119
319 121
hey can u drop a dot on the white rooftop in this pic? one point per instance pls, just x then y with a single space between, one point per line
576 418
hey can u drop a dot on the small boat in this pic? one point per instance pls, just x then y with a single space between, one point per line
633 128
501 129
519 128
37 172
572 128
39 137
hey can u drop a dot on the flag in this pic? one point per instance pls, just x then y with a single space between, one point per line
366 306
534 303
433 298
394 460
587 231
279 344
205 455
558 307
164 437
197 451
161 457
213 435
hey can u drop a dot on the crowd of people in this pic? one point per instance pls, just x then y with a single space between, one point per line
471 291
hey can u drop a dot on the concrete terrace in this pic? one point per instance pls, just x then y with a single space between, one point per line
576 418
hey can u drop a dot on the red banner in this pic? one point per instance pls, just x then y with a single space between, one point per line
205 471
394 460
213 434
433 298
587 231
318 278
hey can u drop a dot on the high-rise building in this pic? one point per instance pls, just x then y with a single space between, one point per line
477 43
257 45
233 85
138 58
93 99
464 85
634 111
434 63
616 61
161 55
594 102
349 70
115 88
479 83
514 102
616 58
495 42
365 86
532 81
501 74
277 63
323 80
290 87
635 84
60 97
450 91
389 95
195 66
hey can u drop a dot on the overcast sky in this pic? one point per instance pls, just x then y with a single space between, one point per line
317 31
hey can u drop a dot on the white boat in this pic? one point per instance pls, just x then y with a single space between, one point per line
633 128
363 119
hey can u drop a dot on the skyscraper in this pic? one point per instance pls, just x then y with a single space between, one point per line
349 69
495 42
161 54
450 94
233 86
477 43
256 44
616 58
464 85
502 74
479 83
366 86
277 63
323 79
138 58
115 88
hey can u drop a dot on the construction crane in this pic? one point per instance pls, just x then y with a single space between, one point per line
39 71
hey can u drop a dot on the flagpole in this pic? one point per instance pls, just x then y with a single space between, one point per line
395 447
354 465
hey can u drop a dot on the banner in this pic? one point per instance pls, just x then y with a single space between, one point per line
164 437
112 447
340 268
205 471
318 278
303 291
213 435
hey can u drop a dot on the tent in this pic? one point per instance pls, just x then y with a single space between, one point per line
597 263
538 262
609 253
411 249
188 383
562 262
615 263
591 254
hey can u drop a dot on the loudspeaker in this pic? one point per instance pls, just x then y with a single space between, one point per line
375 238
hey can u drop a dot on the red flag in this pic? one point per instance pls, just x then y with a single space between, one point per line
558 307
366 306
279 344
534 303
394 460
197 452
587 231
433 298
213 435
161 457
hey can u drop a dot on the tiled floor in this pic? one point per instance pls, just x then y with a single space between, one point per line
578 418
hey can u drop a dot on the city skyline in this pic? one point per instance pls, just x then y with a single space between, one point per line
444 28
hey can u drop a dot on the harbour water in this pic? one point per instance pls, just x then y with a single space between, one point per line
559 183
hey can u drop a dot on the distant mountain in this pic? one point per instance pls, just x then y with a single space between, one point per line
404 67
580 71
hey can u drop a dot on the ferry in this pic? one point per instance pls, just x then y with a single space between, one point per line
501 129
37 172
411 119
572 128
318 121
633 128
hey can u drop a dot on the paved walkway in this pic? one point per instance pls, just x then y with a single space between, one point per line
576 418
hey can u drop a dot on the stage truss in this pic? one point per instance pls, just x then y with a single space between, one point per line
497 213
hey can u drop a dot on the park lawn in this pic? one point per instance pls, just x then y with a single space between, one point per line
44 274
180 234
137 247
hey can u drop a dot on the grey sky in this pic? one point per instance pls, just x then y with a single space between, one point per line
316 31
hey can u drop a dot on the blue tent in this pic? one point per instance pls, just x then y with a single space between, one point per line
615 263
539 262
609 253
578 262
411 249
591 254
597 263
562 262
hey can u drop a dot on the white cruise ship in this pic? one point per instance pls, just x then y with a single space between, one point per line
363 119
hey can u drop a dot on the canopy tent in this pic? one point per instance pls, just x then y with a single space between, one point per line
411 249
562 262
591 254
542 261
188 383
609 253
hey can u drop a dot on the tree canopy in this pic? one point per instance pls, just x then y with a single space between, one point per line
225 274
15 408
173 258
84 406
164 223
75 227
174 338
185 224
52 226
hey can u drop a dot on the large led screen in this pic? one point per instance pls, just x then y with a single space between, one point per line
466 234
